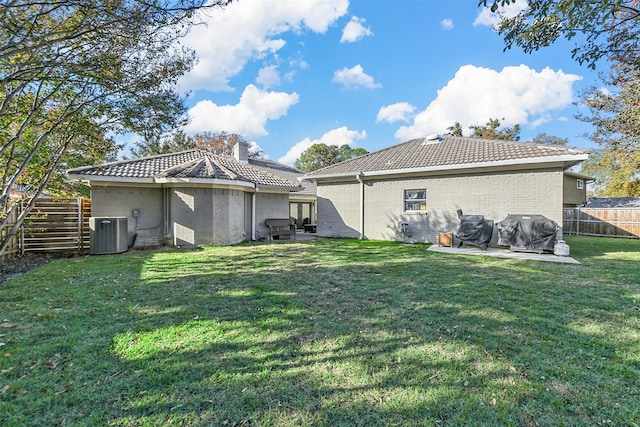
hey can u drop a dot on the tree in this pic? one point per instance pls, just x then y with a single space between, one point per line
490 131
321 155
223 143
604 26
74 72
614 114
171 142
544 139
455 129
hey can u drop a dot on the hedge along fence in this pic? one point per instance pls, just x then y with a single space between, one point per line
602 222
52 225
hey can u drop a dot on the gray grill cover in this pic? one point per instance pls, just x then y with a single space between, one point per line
527 232
475 230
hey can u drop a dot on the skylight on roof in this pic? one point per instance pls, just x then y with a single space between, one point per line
432 139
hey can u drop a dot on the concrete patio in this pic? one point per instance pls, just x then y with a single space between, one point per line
502 253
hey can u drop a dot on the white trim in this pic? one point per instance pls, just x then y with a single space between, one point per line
207 181
94 179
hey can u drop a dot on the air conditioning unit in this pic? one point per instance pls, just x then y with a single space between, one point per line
108 235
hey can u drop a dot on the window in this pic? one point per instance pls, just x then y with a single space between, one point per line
415 200
580 184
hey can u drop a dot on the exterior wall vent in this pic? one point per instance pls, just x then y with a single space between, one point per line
108 235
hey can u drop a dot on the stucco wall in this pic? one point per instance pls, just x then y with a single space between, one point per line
493 195
206 216
116 201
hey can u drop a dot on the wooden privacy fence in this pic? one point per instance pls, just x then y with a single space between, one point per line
53 225
14 244
602 222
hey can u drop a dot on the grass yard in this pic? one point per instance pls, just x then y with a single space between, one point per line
324 333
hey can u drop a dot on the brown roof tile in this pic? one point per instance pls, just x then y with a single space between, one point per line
442 152
190 164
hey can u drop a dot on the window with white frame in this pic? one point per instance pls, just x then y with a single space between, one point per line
415 200
580 184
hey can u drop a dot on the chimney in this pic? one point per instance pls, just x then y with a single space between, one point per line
241 152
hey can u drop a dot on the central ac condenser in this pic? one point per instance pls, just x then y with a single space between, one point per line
108 235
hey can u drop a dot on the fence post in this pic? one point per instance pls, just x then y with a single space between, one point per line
21 236
578 223
79 206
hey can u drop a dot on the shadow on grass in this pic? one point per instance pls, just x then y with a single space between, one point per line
326 333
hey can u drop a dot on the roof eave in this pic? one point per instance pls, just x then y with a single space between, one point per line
98 178
566 160
279 187
208 181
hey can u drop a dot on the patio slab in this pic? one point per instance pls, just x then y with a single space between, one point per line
502 253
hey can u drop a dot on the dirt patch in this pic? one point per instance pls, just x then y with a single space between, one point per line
12 268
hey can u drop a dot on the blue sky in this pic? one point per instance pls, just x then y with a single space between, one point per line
286 74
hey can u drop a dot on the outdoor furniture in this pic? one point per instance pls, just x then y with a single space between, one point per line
310 228
280 227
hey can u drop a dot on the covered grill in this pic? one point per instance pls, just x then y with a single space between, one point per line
527 233
474 230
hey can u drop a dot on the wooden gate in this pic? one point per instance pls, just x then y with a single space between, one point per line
57 225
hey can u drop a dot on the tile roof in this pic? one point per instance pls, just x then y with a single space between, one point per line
447 151
613 202
193 164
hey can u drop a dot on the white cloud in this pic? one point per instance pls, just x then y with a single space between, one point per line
515 95
249 29
491 19
355 30
268 77
398 112
354 77
447 24
339 136
248 117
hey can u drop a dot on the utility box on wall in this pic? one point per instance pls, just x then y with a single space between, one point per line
108 235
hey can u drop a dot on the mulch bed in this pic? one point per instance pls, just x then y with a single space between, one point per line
12 268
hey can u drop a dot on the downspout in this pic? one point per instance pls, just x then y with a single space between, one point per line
253 214
359 179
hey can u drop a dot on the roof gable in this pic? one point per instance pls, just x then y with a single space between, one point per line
450 151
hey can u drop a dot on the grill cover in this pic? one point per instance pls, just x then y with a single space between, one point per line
474 230
527 233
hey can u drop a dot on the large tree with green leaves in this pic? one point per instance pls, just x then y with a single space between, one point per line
170 142
615 115
491 130
601 28
544 139
75 72
321 155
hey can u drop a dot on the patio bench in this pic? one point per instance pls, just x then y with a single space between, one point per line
280 227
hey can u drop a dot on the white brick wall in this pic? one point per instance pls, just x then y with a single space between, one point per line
198 215
338 210
116 201
494 195
270 205
207 216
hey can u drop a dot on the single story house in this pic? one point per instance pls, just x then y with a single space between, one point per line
191 198
412 191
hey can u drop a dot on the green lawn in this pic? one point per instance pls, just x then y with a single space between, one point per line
324 333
